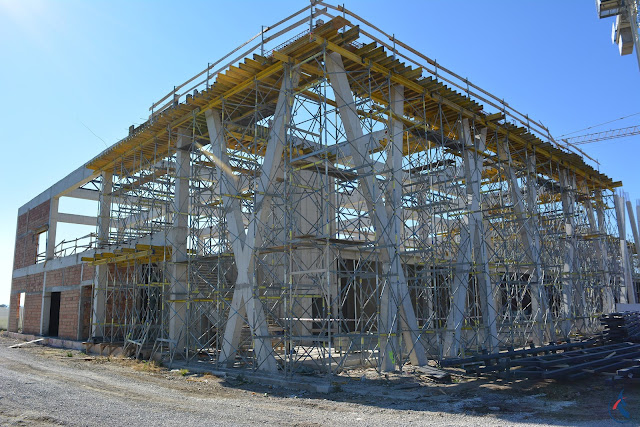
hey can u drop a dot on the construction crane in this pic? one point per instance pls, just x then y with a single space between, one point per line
602 136
627 25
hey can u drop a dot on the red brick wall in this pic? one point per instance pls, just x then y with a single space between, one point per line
13 312
68 276
73 303
70 300
69 305
32 287
32 309
88 272
26 247
85 310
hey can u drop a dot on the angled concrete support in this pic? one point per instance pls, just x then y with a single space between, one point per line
378 213
245 303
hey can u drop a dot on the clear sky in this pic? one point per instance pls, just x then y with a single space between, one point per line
71 69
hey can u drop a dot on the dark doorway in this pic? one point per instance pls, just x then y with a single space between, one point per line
54 314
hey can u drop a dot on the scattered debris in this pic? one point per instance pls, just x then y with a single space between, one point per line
434 373
25 343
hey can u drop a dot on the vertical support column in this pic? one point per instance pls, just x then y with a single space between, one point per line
636 240
45 305
179 280
626 290
634 225
102 271
377 209
569 254
53 225
532 211
390 297
608 299
608 304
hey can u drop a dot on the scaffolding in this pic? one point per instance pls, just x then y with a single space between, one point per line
326 197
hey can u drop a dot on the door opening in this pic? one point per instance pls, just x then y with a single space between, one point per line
54 314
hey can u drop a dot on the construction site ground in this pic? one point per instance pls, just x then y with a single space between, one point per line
48 386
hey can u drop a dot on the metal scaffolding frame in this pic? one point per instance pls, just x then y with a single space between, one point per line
324 201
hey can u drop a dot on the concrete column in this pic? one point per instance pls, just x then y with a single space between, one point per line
568 270
53 225
179 280
608 303
626 290
45 306
636 240
101 277
390 295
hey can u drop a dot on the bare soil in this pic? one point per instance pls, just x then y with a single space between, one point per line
46 386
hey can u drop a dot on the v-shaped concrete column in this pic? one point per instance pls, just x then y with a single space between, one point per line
530 236
245 303
473 248
608 303
396 303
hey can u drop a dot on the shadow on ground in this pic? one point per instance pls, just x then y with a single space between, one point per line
587 401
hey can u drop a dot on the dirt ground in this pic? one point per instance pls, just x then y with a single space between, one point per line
46 386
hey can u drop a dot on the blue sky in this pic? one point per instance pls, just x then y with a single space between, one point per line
72 69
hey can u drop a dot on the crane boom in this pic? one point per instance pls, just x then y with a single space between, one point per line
601 136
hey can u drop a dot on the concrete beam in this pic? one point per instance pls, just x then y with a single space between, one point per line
75 179
76 219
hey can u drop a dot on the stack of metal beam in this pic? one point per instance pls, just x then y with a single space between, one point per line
619 327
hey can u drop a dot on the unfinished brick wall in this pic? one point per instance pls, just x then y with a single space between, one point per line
85 312
13 312
32 309
88 272
70 302
68 276
32 287
69 312
26 248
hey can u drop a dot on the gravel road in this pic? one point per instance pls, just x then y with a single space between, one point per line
44 386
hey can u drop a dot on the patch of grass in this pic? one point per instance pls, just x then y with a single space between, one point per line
183 372
142 365
69 354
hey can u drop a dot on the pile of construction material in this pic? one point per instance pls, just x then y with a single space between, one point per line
616 350
619 327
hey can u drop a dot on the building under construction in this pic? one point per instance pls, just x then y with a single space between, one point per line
325 197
